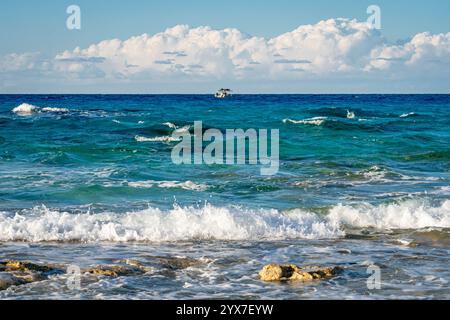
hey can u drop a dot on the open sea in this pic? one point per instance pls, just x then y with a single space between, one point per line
363 180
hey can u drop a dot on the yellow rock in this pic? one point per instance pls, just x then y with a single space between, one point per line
290 272
13 265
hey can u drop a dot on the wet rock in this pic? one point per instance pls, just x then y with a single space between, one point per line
135 264
291 272
7 280
22 272
176 263
113 271
13 265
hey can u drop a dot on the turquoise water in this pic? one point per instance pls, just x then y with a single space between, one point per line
368 174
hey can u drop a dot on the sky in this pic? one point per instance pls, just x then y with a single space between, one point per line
197 46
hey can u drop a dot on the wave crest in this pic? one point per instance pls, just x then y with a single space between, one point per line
411 214
26 109
155 225
317 121
219 223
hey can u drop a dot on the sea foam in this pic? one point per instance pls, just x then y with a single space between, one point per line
221 223
25 109
180 223
411 214
317 121
156 139
186 185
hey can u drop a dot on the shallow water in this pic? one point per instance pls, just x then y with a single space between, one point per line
363 179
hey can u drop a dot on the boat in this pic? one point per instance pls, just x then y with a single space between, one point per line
223 93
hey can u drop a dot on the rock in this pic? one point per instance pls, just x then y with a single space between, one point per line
136 264
20 272
113 271
176 263
7 280
277 272
13 265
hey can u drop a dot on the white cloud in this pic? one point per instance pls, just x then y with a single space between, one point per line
331 48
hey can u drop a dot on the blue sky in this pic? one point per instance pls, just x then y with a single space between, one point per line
39 27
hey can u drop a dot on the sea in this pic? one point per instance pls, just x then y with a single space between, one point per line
363 183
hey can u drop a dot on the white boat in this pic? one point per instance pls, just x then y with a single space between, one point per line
222 93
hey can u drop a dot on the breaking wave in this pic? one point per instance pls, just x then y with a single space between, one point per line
186 185
156 139
317 121
411 214
26 109
155 225
220 223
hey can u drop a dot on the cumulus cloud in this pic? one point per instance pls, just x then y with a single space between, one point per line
334 47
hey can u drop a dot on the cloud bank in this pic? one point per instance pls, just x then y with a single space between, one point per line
340 49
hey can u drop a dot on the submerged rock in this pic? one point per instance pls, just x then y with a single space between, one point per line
7 280
13 265
113 271
277 272
176 263
14 273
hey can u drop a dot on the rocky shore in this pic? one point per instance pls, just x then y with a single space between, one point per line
291 272
16 273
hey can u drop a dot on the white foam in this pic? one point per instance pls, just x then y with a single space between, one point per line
182 129
350 114
375 174
411 214
155 225
156 139
56 110
317 121
187 185
222 223
25 109
405 115
170 125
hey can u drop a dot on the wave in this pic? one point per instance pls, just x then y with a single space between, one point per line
186 185
154 225
317 121
410 114
350 114
220 223
58 110
341 112
26 109
170 125
410 214
156 139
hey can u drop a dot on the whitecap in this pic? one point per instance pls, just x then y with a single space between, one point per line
25 109
317 121
410 214
156 139
187 185
182 129
170 125
350 114
155 225
41 224
56 110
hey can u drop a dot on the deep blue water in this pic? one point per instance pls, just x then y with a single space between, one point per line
395 146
